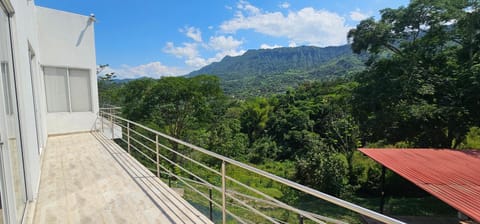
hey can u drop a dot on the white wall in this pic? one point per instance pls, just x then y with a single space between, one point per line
24 32
67 40
57 39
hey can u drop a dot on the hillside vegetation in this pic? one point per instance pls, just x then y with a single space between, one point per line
266 71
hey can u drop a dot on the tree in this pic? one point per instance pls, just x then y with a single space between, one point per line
178 104
313 113
107 89
254 118
225 137
323 170
412 89
468 37
133 95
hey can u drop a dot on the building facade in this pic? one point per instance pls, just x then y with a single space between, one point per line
48 87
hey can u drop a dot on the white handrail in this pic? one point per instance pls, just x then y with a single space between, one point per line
302 188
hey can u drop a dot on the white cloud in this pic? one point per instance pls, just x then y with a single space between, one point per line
266 46
221 45
469 9
193 33
220 55
357 15
285 5
189 50
224 43
153 69
306 26
196 62
450 22
247 7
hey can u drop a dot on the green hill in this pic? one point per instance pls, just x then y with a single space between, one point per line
269 71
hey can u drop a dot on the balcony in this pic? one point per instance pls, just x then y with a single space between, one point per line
87 178
124 172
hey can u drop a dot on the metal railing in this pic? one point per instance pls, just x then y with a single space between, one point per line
111 109
166 155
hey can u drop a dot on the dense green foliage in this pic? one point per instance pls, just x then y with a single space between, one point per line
419 89
422 80
268 71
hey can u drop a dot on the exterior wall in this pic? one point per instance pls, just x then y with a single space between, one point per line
24 36
67 40
58 39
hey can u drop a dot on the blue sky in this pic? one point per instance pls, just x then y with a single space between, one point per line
169 38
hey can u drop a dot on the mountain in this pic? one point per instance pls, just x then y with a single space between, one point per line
122 81
269 71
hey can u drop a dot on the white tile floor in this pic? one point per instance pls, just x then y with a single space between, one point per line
89 179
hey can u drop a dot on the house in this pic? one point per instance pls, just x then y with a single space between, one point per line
48 87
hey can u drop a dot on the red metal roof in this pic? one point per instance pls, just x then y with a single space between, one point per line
450 175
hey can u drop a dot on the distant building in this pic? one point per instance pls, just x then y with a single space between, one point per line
48 87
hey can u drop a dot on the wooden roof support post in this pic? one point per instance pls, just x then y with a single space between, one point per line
382 189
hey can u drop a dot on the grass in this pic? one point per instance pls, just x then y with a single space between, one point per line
408 206
394 206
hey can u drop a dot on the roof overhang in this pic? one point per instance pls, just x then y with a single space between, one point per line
450 175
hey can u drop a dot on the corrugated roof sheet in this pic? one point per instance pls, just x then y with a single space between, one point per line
450 175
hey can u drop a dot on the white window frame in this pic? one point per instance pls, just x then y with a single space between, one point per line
6 176
69 103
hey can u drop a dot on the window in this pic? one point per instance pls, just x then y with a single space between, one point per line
7 88
67 90
56 89
80 90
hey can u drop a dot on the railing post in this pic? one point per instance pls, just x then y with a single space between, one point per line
300 219
210 203
112 126
382 189
128 137
101 121
224 198
157 147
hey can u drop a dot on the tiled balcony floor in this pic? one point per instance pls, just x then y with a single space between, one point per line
89 179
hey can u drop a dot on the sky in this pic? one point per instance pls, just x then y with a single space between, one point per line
158 38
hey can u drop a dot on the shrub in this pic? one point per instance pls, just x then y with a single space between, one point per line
472 140
366 174
325 171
